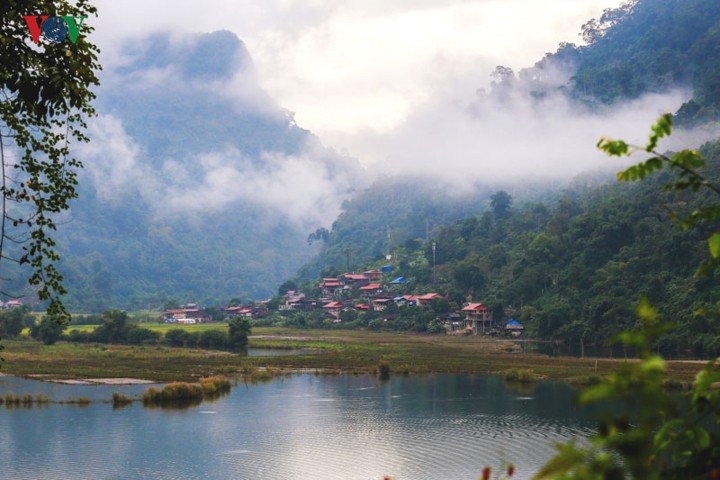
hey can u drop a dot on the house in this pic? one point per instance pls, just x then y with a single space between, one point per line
514 328
291 301
13 304
331 285
380 304
406 300
187 314
200 316
478 318
373 275
452 321
371 288
428 298
333 310
354 279
302 303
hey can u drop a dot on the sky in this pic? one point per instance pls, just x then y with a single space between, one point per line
396 86
351 66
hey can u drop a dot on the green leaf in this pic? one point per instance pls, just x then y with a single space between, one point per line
614 148
714 245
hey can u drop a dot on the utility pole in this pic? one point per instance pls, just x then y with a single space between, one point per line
434 245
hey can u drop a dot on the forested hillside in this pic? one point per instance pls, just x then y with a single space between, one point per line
574 267
645 46
649 46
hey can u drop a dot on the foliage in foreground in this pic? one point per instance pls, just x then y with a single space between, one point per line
44 100
657 435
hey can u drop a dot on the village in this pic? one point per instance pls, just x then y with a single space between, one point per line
373 293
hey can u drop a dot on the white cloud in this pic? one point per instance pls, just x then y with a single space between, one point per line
306 188
344 66
518 139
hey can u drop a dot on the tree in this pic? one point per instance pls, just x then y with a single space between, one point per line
114 327
49 330
287 286
44 100
14 320
656 435
319 235
500 203
238 331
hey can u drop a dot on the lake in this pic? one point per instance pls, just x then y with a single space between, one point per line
300 427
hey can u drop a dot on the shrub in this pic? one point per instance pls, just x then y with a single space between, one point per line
120 400
212 339
141 336
177 337
522 375
383 370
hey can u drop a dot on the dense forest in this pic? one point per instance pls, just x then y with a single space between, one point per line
574 267
650 46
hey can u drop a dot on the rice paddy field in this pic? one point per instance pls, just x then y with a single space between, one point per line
323 351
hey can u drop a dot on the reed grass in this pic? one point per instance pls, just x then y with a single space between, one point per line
208 388
119 400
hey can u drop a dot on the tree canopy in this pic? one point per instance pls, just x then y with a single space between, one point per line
45 97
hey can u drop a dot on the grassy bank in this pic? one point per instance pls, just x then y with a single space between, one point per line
333 350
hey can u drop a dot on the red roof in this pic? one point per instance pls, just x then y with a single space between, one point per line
429 296
372 286
331 283
382 300
373 272
333 305
362 306
474 307
355 276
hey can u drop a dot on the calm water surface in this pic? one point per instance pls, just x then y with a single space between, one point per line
303 427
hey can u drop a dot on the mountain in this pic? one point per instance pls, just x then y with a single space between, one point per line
196 186
648 46
643 47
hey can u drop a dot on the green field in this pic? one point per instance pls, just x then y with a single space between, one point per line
160 327
329 351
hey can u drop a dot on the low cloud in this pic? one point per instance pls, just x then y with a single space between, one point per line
511 135
306 188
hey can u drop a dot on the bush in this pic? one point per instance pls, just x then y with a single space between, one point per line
522 375
383 370
177 337
183 393
212 339
120 400
141 336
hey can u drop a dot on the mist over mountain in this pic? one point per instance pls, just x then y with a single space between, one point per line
197 186
536 129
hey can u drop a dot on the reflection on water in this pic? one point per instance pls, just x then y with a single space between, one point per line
302 427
